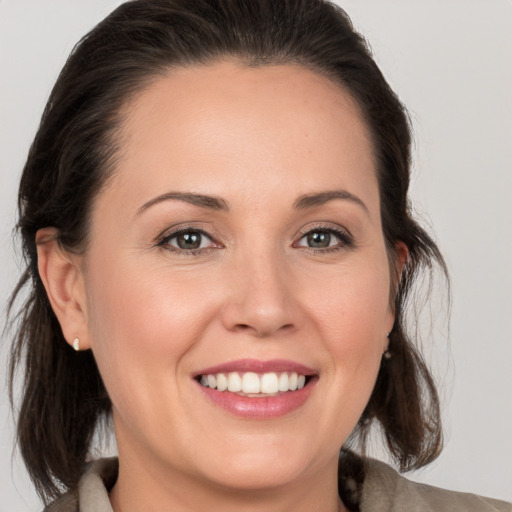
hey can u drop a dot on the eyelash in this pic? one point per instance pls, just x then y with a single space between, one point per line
164 242
346 240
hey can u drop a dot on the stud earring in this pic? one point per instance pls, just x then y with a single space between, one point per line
76 344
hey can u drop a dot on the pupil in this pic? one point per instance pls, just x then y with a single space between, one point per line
319 239
189 240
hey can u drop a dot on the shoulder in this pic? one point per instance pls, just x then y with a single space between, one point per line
66 503
93 489
384 490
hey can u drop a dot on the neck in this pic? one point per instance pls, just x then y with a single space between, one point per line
152 488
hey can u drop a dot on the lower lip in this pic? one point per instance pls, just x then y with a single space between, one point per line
264 407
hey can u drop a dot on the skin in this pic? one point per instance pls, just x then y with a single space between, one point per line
153 314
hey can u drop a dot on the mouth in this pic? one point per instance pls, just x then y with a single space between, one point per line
255 385
257 389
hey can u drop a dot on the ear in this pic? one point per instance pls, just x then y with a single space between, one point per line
401 255
397 265
61 274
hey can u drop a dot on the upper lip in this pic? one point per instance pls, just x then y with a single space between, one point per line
257 366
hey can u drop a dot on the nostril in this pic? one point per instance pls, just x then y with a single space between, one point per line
262 330
242 327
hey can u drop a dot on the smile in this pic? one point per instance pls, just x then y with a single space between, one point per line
253 384
254 389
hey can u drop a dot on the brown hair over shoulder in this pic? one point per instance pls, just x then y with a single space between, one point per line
72 157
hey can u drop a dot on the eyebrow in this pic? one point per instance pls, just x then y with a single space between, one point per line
217 203
210 202
318 199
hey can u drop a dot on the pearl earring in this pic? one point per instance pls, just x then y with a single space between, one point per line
76 344
387 353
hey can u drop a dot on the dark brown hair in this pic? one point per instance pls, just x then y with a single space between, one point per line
74 152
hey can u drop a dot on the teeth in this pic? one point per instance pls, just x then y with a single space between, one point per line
292 381
253 383
222 382
283 382
234 382
212 381
269 383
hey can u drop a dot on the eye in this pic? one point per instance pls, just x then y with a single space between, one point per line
324 238
187 240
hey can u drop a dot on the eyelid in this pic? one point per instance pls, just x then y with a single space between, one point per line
346 238
163 239
182 227
343 234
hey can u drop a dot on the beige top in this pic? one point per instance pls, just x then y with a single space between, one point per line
384 490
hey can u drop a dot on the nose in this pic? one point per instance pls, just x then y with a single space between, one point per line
261 301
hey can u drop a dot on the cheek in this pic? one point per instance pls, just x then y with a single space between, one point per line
141 318
352 306
352 317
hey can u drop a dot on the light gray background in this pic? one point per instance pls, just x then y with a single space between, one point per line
451 63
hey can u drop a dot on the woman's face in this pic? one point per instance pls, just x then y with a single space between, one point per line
239 236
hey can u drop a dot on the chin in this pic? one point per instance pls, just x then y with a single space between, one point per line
267 463
258 475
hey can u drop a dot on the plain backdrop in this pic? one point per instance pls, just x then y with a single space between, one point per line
451 63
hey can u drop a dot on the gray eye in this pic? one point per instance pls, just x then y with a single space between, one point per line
324 238
319 239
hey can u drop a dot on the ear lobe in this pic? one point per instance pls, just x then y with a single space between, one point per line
62 278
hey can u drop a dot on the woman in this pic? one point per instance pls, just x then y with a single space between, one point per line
215 215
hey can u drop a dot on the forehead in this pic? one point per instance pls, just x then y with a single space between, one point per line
202 128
